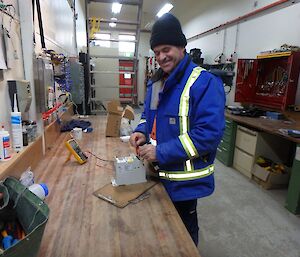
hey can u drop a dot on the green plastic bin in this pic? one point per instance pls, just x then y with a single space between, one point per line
32 214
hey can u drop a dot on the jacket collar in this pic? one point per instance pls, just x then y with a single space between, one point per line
175 76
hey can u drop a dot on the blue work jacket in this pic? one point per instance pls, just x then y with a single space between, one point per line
185 156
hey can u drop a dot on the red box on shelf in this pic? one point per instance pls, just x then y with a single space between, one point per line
269 81
126 82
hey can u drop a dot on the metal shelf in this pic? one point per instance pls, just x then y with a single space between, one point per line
113 57
112 72
137 30
114 40
125 2
120 86
119 22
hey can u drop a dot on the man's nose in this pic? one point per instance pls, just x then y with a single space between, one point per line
161 56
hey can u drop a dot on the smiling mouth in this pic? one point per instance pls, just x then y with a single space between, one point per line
166 63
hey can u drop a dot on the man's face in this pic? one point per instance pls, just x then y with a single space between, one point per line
168 56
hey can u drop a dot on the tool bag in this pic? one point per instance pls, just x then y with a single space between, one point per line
32 213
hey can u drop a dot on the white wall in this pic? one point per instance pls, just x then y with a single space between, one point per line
80 25
58 26
265 32
16 71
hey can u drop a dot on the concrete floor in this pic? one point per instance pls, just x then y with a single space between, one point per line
241 219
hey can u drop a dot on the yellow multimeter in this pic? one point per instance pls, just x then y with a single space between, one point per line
75 150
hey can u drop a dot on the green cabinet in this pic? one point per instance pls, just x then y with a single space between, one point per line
293 197
225 149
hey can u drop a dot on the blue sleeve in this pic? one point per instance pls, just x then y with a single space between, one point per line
207 121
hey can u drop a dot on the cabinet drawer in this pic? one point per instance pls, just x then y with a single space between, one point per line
246 139
225 144
224 156
228 125
243 162
227 135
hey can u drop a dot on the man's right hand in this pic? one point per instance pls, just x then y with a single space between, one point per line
137 139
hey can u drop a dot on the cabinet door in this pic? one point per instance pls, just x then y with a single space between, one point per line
246 80
293 71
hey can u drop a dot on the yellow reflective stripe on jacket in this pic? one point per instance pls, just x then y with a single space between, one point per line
142 121
195 174
185 140
188 145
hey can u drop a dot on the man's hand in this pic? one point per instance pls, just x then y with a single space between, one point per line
148 152
137 139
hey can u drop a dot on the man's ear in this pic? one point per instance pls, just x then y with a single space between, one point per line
182 49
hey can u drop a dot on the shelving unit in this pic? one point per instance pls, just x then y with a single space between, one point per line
126 92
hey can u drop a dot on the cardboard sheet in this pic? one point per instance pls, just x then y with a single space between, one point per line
121 196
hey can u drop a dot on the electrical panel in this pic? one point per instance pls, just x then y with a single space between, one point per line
43 81
77 81
23 91
269 81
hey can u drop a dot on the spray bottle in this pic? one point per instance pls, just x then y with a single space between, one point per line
16 126
4 145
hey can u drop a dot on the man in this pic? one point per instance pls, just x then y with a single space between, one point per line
183 120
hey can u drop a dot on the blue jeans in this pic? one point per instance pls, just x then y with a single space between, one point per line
188 213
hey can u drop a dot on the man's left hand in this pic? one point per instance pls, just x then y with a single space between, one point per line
148 152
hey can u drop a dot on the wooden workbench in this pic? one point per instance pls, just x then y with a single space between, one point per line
269 125
80 224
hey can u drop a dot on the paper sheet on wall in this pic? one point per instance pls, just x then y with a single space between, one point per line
2 59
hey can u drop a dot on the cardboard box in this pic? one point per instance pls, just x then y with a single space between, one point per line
268 179
115 114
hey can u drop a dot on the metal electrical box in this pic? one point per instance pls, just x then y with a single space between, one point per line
77 78
23 91
129 170
43 81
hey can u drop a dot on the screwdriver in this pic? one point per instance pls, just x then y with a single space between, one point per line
137 150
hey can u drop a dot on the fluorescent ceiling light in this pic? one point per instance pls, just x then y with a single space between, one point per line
113 24
116 7
166 8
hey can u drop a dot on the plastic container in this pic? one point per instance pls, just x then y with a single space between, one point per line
4 145
40 190
16 126
27 178
25 136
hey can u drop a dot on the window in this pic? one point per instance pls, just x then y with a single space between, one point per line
127 47
102 42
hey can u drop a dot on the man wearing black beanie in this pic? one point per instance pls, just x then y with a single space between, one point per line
183 122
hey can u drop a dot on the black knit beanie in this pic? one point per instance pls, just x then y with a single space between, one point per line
167 31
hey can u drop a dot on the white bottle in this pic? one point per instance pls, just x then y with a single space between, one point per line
40 190
4 145
16 126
